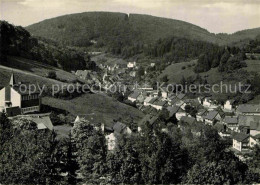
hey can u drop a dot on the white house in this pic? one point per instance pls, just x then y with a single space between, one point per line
18 96
241 142
229 105
211 117
254 140
131 64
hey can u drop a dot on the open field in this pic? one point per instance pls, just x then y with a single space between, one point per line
175 72
253 66
38 68
106 108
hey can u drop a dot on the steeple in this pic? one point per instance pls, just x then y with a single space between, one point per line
12 80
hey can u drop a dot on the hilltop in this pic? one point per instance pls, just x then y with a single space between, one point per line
109 28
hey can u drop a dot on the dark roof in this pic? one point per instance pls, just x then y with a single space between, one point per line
188 119
211 115
255 126
153 100
160 103
230 120
173 110
201 112
181 96
43 121
249 108
119 127
134 95
241 137
148 118
245 120
13 111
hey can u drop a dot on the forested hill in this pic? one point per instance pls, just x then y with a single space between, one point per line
16 41
120 29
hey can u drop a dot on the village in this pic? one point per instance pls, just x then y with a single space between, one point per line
239 124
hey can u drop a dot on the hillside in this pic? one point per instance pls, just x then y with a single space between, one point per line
35 73
107 28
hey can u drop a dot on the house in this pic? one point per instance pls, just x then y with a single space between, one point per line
150 119
180 96
152 64
16 96
180 113
200 115
83 74
131 64
248 109
231 122
43 121
133 97
147 100
132 73
209 103
222 130
159 104
254 128
187 119
248 123
94 119
173 110
229 105
241 142
118 129
212 117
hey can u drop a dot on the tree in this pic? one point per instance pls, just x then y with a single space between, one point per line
91 151
27 154
52 74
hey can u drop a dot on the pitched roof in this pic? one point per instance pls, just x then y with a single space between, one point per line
148 99
255 126
211 115
148 118
13 111
160 103
118 127
181 96
241 137
230 120
43 121
188 119
249 108
134 95
173 110
201 112
153 100
245 120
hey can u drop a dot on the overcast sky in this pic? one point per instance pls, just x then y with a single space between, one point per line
216 16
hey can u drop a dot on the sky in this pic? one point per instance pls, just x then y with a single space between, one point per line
217 16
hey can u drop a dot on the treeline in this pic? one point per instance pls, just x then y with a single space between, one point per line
226 59
16 41
176 49
32 156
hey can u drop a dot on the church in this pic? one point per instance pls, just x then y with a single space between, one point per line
16 99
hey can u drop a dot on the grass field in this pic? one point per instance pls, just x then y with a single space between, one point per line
38 68
253 66
106 108
175 72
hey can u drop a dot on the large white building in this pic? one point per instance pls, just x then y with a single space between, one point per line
16 98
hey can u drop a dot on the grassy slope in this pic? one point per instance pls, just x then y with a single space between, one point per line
175 72
253 66
110 26
105 107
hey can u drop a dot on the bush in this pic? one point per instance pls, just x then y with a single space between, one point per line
52 74
183 67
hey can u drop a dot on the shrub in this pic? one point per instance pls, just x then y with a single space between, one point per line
52 74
